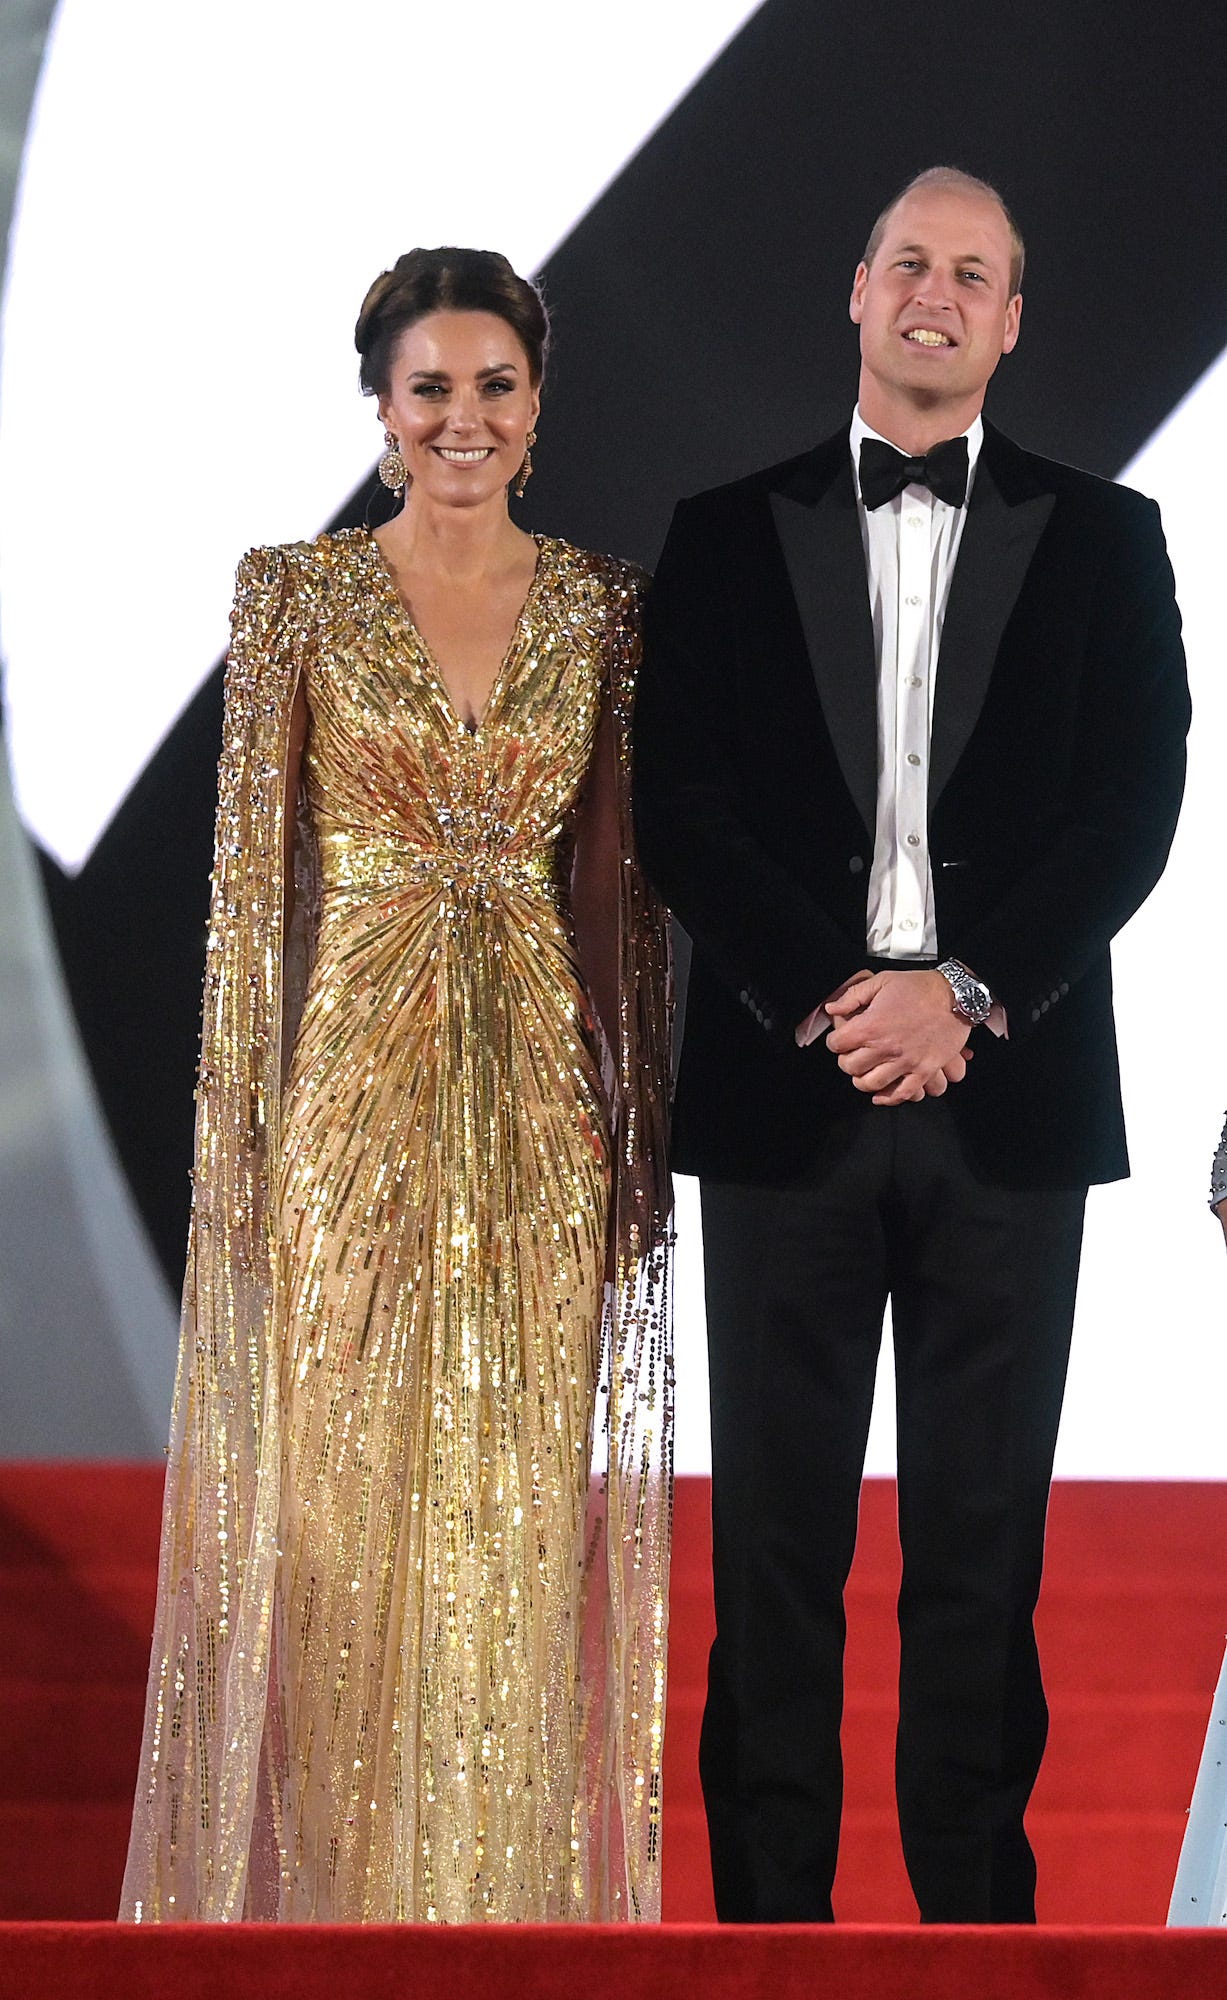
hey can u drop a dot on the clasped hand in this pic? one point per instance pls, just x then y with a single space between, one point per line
896 1035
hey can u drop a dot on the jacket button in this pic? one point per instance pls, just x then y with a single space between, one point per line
744 997
1064 989
1044 1006
1054 997
856 866
1035 1013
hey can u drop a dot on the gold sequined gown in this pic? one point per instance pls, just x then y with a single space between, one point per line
461 1624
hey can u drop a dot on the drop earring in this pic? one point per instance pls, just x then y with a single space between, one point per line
392 468
526 470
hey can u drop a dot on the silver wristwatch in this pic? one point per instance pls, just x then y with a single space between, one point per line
972 1000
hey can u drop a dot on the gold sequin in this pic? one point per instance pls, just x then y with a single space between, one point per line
411 1616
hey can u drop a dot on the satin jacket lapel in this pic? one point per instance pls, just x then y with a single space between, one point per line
999 540
819 531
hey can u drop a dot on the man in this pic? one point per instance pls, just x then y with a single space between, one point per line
909 751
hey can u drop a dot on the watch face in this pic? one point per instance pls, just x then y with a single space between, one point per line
972 998
978 1000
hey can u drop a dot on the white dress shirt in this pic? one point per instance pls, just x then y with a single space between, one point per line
911 545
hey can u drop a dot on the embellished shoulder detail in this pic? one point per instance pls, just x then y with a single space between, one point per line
269 583
618 577
281 559
259 595
283 591
609 594
272 623
336 547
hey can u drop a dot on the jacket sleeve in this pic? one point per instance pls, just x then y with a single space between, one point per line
1094 868
771 944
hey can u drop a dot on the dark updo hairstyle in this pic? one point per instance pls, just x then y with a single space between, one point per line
446 280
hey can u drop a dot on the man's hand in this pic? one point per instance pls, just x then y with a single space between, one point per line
853 986
896 1035
950 1072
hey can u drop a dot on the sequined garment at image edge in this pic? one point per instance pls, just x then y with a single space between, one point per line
409 1655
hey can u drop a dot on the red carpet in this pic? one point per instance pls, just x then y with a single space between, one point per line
1132 1623
250 1962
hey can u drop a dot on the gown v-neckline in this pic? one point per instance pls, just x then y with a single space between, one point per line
459 722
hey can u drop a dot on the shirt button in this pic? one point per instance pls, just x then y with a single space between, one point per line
914 681
913 599
915 521
908 924
912 758
913 840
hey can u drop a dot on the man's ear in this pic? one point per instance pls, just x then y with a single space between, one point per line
856 304
1013 320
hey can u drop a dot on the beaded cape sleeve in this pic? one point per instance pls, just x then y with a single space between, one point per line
626 1624
205 1842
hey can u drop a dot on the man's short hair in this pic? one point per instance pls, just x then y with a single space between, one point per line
953 178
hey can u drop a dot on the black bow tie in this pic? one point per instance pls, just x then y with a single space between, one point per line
885 472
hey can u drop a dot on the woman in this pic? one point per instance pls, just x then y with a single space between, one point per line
409 1651
1199 1895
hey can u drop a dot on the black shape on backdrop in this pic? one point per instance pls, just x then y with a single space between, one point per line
701 306
131 933
700 313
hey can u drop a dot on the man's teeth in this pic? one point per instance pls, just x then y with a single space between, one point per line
464 457
928 336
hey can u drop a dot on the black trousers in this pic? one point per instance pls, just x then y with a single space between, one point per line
981 1282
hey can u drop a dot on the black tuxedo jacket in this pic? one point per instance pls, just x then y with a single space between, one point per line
1056 770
